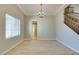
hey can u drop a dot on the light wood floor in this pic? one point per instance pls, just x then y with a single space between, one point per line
41 47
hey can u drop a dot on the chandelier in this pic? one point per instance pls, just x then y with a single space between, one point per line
41 13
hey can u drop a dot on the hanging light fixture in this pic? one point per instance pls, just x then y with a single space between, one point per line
41 13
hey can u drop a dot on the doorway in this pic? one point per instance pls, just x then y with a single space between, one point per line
34 30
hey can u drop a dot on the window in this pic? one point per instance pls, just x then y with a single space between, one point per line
12 26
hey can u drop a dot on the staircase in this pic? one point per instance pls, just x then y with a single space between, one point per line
72 21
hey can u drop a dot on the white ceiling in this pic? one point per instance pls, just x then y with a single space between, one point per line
33 9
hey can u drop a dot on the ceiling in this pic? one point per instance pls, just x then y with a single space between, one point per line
33 9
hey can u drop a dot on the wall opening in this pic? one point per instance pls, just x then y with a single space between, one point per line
34 30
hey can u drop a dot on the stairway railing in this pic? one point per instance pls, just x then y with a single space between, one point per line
72 21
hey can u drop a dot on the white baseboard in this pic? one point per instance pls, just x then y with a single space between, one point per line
41 39
46 39
12 47
68 46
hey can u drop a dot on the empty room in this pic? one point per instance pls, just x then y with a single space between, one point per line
39 29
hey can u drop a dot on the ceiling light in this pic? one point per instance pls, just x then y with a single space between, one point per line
41 13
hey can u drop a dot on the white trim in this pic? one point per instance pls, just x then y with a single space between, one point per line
22 10
41 39
46 39
12 47
68 46
61 8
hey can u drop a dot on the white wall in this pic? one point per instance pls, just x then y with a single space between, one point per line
46 27
76 7
66 35
12 10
